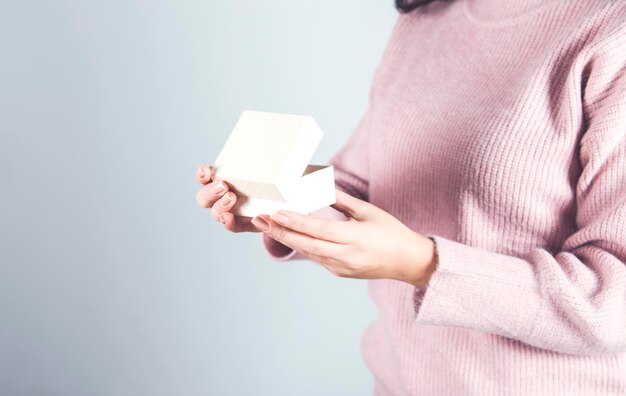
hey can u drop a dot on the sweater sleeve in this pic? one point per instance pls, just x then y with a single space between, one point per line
572 301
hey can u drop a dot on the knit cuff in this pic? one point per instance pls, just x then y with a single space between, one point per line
478 289
419 292
278 251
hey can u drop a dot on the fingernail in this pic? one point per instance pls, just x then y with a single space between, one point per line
229 199
280 218
261 224
202 173
219 188
222 219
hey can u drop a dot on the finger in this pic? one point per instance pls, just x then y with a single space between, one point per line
223 205
209 194
351 206
203 174
320 228
328 263
236 223
302 243
332 268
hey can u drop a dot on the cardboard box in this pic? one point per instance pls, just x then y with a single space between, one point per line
266 163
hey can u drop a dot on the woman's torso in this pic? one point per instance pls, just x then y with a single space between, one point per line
479 117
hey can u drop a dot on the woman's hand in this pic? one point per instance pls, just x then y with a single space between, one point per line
216 195
372 244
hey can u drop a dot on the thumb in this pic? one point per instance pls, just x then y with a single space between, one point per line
351 206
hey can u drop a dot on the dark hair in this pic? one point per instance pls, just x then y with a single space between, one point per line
405 6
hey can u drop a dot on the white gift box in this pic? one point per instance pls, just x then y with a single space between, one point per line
265 161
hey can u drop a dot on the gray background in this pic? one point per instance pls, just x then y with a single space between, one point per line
112 280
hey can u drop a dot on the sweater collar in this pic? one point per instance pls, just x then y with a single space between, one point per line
504 11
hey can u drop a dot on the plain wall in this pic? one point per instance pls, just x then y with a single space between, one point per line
112 280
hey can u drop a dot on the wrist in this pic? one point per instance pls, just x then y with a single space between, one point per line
422 262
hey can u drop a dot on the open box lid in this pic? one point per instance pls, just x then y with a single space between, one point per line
267 153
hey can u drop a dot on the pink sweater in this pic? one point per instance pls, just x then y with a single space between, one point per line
498 127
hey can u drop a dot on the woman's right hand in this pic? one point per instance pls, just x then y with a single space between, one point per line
216 196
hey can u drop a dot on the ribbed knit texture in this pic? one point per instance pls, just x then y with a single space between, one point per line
498 127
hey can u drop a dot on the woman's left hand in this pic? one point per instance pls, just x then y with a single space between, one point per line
372 244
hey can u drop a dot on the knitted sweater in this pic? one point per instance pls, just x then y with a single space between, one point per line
498 127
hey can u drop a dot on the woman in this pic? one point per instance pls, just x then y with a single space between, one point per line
485 189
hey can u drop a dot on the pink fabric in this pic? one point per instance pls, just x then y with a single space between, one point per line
498 127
